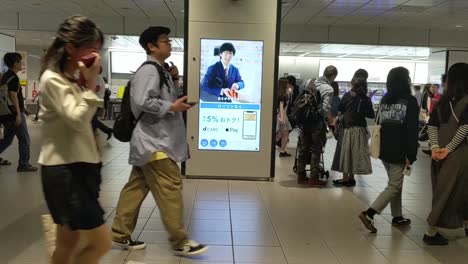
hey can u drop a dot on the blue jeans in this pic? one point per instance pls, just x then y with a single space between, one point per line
24 142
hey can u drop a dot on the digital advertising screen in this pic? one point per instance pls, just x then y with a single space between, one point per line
230 95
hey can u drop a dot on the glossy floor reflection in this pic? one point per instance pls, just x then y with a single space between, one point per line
243 222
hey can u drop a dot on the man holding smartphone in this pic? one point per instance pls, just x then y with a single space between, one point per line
158 143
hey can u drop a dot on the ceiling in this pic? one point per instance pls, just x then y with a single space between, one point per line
428 14
433 14
100 8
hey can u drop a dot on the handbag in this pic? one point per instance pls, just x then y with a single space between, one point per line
374 147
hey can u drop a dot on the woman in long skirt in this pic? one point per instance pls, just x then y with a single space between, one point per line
448 131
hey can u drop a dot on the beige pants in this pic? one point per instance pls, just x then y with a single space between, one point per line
162 178
391 194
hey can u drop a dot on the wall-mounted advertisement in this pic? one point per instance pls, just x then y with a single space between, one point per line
230 95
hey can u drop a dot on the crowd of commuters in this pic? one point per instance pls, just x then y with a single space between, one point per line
71 177
403 116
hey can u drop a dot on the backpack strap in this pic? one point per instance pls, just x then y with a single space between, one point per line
162 75
459 108
162 80
9 80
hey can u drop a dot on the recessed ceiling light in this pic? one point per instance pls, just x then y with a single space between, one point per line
458 26
36 4
182 11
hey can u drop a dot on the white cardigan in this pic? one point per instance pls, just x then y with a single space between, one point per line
66 112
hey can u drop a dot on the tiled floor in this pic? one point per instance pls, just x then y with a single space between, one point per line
243 222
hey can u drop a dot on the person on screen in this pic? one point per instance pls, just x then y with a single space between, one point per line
222 79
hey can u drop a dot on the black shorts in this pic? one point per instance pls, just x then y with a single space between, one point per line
71 192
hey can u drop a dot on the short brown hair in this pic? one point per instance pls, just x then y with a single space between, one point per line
330 71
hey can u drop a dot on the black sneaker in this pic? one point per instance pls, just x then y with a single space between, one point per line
284 154
437 240
338 182
191 248
28 168
400 221
348 183
368 222
131 244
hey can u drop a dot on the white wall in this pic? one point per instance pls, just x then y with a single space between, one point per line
306 67
35 55
456 56
7 44
437 66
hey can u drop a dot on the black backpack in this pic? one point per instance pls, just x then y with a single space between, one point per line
7 112
305 110
126 122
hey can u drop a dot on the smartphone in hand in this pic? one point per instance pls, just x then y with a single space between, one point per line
88 60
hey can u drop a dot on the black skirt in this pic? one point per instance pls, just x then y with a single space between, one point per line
71 192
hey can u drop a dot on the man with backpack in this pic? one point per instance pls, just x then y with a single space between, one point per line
158 142
13 113
318 94
313 134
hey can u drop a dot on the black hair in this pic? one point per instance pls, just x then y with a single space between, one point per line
330 71
76 30
457 84
291 80
361 73
398 85
11 58
427 88
227 47
151 35
417 87
359 86
436 84
443 78
336 89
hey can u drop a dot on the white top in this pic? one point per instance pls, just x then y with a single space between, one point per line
102 87
66 111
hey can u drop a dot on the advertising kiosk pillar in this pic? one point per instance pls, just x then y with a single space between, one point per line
231 49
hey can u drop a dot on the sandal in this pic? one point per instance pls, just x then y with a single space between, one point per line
4 162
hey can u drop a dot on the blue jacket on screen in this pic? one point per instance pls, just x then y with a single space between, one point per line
215 80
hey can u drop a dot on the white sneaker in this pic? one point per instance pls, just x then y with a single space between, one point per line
191 248
131 244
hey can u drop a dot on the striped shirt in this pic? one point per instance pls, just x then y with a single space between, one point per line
460 136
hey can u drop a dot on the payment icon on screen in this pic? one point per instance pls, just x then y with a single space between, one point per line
249 125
